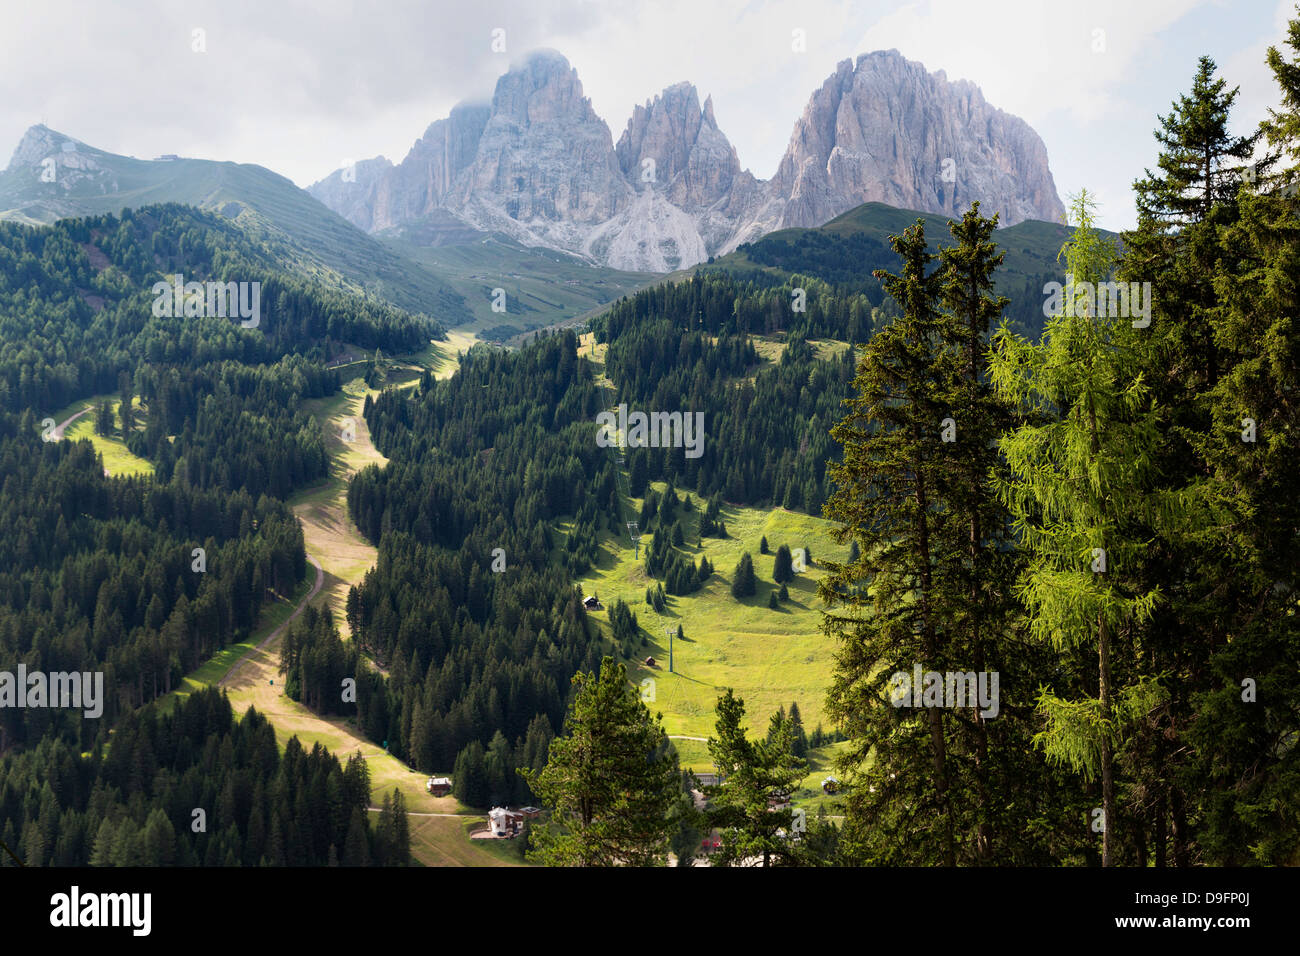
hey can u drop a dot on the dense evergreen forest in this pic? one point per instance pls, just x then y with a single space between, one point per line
195 787
1103 514
1123 553
470 606
842 261
76 305
144 578
98 573
684 347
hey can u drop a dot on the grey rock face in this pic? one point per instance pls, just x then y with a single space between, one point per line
885 130
75 167
539 165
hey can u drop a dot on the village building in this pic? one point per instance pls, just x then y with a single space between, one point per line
505 823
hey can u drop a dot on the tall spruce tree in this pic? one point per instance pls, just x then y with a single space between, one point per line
783 565
1212 252
889 494
1282 128
989 564
104 420
744 583
751 806
1242 783
611 778
1201 164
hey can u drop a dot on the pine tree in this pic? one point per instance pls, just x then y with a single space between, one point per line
783 565
638 473
612 779
887 492
1235 596
356 851
1196 164
800 737
469 783
399 831
104 420
755 774
986 558
744 583
1175 246
1282 128
1213 364
1081 489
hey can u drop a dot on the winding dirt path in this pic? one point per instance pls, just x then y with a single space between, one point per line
59 428
341 558
266 643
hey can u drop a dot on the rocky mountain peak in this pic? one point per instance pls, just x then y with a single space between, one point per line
884 129
673 145
37 143
541 88
538 164
544 161
60 163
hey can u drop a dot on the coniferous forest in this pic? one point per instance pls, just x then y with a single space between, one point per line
1063 613
146 577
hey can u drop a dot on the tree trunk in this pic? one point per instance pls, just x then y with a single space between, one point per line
1179 814
984 839
1107 761
1103 692
927 629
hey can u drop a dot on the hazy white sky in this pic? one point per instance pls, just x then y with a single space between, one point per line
301 86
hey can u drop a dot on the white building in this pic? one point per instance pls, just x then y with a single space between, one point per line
505 823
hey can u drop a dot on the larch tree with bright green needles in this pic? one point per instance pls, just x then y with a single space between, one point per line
1082 488
612 779
889 490
751 805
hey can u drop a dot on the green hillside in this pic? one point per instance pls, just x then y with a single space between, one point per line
1031 246
543 286
770 657
301 233
845 251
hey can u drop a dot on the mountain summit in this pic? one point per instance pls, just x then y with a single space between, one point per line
885 130
537 164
